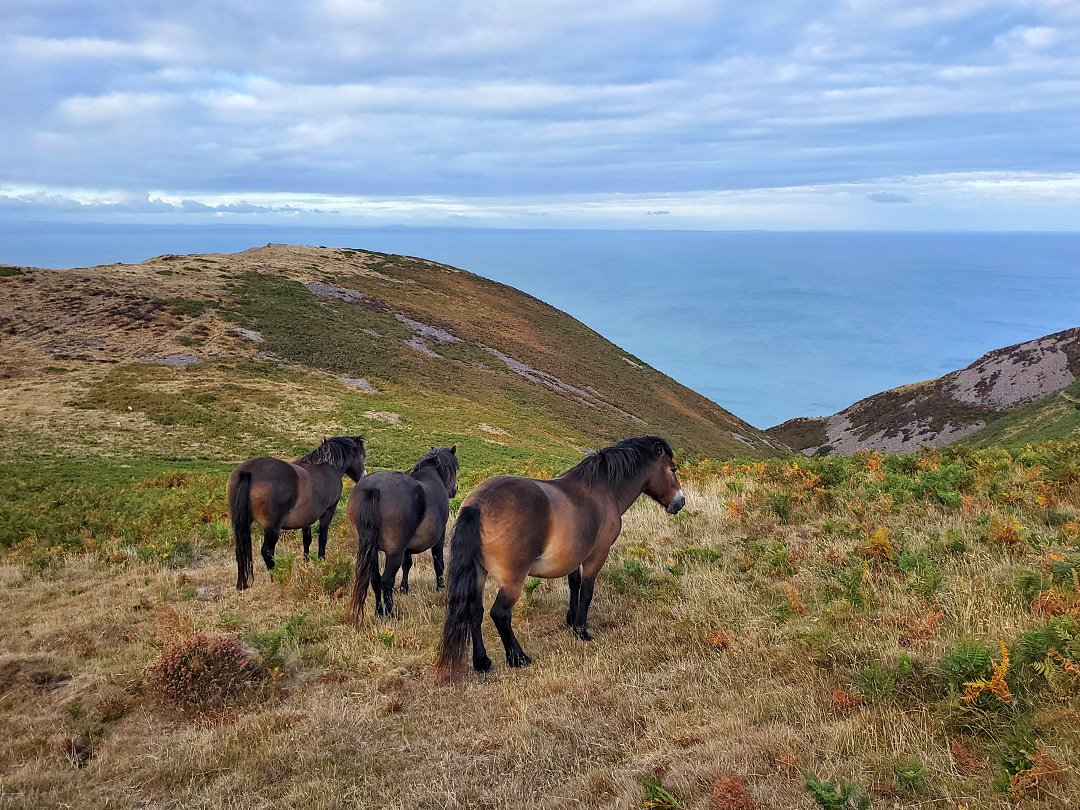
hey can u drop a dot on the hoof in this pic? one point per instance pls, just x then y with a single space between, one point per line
482 664
569 619
404 587
518 659
583 633
439 584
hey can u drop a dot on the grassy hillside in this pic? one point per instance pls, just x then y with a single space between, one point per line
423 353
901 630
1053 417
1008 395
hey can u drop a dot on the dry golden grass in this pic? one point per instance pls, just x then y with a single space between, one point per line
702 672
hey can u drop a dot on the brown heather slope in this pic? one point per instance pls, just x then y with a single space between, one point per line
947 409
290 343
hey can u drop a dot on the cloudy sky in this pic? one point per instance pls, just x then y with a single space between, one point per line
873 114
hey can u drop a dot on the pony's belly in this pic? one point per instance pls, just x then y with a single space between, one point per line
553 566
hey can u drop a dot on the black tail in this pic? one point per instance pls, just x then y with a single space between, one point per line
463 596
368 538
240 512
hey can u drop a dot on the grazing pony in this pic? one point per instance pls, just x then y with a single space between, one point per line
289 495
513 528
401 514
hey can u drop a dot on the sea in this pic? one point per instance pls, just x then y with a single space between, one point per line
770 325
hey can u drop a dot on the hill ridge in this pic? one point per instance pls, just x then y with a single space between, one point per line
957 406
353 331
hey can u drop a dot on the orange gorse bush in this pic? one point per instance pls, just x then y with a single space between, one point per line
793 600
717 640
1036 781
730 794
842 700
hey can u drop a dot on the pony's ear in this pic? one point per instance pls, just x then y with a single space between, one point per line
453 450
659 448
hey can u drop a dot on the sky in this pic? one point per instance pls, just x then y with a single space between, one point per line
860 115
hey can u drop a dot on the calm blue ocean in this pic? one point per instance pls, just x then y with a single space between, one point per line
770 325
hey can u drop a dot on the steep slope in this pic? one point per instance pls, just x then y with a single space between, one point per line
267 350
966 404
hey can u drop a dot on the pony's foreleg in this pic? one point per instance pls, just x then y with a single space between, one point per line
270 538
324 531
501 613
307 541
574 582
589 569
406 567
581 617
437 561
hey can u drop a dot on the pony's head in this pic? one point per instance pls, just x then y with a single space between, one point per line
445 462
662 484
355 470
346 453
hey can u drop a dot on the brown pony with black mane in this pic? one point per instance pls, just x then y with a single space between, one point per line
400 514
289 495
513 528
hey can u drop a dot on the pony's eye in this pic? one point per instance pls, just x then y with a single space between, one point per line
675 469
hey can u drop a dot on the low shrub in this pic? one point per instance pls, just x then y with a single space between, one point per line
203 670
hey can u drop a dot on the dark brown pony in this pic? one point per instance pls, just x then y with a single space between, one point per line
513 528
289 495
400 514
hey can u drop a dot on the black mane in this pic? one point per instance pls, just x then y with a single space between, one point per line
620 461
337 451
444 462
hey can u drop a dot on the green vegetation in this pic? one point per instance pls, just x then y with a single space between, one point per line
1054 417
7 270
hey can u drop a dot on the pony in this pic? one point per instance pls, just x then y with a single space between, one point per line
289 495
400 514
513 528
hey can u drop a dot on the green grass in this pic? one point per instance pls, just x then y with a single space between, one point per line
1054 417
158 506
8 270
190 307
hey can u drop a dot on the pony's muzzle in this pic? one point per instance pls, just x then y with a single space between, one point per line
677 503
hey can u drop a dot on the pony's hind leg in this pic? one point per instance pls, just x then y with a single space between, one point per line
307 542
501 613
374 577
406 566
270 538
481 662
393 563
